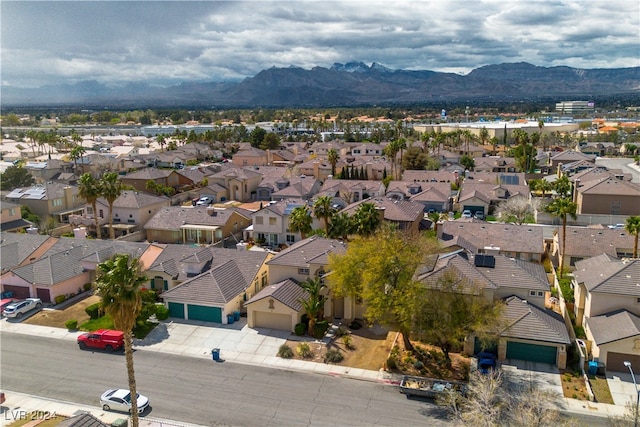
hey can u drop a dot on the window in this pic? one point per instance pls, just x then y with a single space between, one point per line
12 212
540 293
638 300
532 293
304 271
291 238
259 220
57 202
272 220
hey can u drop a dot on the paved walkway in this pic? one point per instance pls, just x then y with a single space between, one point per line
241 344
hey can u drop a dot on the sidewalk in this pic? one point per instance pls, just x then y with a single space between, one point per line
239 344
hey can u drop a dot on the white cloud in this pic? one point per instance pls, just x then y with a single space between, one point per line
116 42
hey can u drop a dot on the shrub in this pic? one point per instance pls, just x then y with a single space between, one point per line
348 342
342 331
300 329
86 286
566 289
162 312
93 310
71 325
391 363
304 350
320 329
355 324
285 352
60 299
333 356
418 365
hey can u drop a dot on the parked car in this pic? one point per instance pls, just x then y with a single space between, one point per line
5 302
479 215
19 308
204 201
103 339
120 400
616 226
466 214
486 362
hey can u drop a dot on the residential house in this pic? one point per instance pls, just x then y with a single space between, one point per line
11 218
19 249
346 191
437 196
250 157
138 179
317 168
278 306
484 196
588 242
220 284
568 156
406 214
525 242
49 199
607 295
296 188
440 176
241 183
494 164
532 332
271 224
197 224
607 196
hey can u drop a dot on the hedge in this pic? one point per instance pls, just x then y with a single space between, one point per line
93 310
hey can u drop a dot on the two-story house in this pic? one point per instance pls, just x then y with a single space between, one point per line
50 199
11 218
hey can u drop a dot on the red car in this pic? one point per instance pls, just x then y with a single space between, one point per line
4 303
102 339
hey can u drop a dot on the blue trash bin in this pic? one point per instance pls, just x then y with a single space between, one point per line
236 316
215 353
229 319
593 368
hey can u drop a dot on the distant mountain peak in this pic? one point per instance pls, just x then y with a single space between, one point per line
351 67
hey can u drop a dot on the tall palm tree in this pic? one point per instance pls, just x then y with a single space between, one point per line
366 219
89 189
118 284
300 221
111 188
76 153
340 227
332 157
563 207
322 209
313 303
391 150
402 145
633 227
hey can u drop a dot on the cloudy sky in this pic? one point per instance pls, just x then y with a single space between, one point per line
165 42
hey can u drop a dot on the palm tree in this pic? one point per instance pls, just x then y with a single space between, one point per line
561 207
332 157
89 189
484 136
633 227
322 209
340 227
118 284
434 217
366 219
300 220
76 153
314 302
402 145
111 188
391 150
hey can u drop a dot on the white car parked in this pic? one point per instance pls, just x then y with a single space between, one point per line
120 400
19 308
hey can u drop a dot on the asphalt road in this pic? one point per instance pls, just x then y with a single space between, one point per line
204 392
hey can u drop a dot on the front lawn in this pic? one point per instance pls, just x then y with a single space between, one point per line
600 388
140 331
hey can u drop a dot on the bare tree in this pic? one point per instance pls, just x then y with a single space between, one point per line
518 209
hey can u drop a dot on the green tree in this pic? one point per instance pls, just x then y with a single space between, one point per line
300 220
633 227
26 213
391 151
468 162
118 284
562 186
256 136
15 177
562 207
434 217
379 269
111 188
271 141
323 209
450 309
415 159
340 226
314 303
77 152
89 189
333 157
366 219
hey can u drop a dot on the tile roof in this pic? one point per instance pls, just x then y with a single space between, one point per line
135 200
609 186
614 326
149 173
83 420
571 155
288 292
52 269
16 247
433 192
488 190
215 287
609 275
589 242
528 322
506 237
173 217
312 250
394 210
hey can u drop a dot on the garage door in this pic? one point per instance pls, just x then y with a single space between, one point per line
615 362
205 314
43 294
176 309
19 292
531 352
281 322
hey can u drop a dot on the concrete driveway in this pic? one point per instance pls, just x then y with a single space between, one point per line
519 373
622 388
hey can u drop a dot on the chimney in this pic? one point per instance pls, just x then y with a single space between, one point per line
576 184
316 170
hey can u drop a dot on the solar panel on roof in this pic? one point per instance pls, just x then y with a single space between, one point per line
488 261
509 180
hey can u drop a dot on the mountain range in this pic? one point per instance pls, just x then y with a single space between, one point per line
350 84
